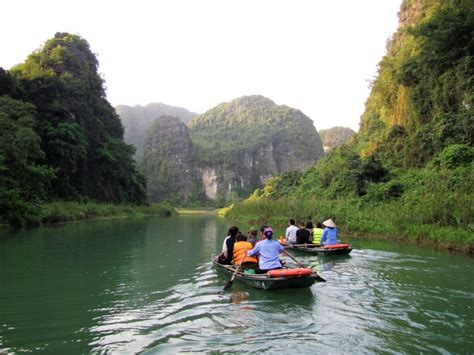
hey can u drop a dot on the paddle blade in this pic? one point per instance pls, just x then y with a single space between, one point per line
228 285
319 278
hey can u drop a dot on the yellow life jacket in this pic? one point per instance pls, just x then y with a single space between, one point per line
317 234
241 248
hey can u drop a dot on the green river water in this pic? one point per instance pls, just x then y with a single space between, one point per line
146 285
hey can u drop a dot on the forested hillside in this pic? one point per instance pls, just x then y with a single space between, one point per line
137 120
409 171
253 122
60 139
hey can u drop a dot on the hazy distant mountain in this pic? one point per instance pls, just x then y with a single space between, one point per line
138 119
335 137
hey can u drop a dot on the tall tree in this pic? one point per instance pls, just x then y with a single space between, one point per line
81 134
23 176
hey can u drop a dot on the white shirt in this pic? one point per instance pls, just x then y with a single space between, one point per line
291 233
224 246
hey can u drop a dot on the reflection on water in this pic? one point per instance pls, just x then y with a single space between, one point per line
147 285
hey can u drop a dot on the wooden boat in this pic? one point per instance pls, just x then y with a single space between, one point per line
338 249
264 282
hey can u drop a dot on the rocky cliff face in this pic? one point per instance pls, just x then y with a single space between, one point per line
167 162
421 100
233 149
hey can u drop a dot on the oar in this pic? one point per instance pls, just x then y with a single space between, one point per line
319 278
231 281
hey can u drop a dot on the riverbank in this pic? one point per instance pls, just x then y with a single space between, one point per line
74 211
385 221
192 212
63 211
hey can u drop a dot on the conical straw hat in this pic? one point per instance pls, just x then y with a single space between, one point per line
329 223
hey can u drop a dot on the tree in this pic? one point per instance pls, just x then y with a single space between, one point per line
81 134
23 178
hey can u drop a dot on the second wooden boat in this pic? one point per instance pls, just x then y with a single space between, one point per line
338 249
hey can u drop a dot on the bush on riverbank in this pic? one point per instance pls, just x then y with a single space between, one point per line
428 205
62 211
74 211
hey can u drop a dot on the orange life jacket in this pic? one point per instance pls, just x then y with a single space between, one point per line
241 248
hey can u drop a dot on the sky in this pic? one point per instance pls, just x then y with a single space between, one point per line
317 56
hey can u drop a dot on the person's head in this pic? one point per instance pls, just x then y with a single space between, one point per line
240 237
252 232
268 233
319 225
292 222
302 224
309 218
233 231
329 223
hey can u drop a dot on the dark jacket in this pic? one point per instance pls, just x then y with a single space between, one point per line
303 236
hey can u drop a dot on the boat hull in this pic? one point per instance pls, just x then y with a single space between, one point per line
263 282
320 251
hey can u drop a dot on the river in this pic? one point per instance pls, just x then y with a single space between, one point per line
146 285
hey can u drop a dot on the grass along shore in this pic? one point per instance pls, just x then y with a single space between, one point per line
197 212
66 211
411 224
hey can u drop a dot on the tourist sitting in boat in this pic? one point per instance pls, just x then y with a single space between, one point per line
309 225
267 252
291 232
241 247
262 228
228 246
252 236
303 236
329 236
317 233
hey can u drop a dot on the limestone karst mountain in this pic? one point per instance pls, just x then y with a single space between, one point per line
231 150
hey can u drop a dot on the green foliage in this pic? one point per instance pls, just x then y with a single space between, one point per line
23 177
60 211
59 137
455 155
224 133
424 85
80 132
415 205
278 186
409 171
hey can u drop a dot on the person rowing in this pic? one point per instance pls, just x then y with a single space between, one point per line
268 252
